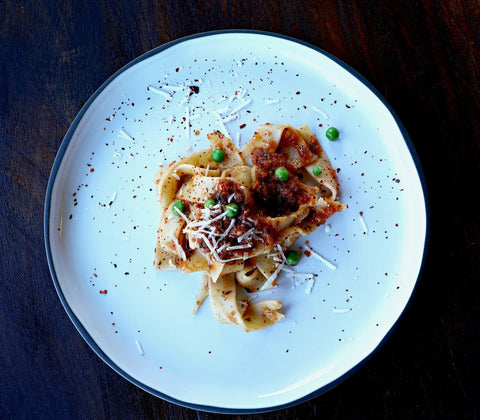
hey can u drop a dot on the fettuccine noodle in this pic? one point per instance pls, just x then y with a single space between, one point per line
241 249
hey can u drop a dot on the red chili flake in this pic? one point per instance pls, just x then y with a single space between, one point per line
103 292
307 253
348 106
297 93
92 170
243 125
108 119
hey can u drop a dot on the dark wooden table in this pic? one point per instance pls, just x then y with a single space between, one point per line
422 56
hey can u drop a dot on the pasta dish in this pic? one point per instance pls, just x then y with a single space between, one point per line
234 214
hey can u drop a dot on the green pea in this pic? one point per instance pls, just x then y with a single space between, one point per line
217 155
178 207
317 170
210 202
332 133
281 173
293 257
232 209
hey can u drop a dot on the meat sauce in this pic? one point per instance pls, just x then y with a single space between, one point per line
276 197
229 190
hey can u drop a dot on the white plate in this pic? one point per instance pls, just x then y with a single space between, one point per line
101 220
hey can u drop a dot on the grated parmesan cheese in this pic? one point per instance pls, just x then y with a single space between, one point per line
223 110
246 234
281 253
243 105
173 87
182 215
139 347
230 118
362 222
322 259
125 135
272 278
230 227
161 92
310 283
235 247
320 112
340 311
187 122
178 247
222 125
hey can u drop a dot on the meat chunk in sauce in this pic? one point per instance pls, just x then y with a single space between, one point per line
276 197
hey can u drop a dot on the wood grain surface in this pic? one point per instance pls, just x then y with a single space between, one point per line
422 56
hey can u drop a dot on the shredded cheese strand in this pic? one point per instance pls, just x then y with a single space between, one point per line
161 92
178 247
244 235
322 259
272 278
230 227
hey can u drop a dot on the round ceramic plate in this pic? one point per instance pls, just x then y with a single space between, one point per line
101 219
